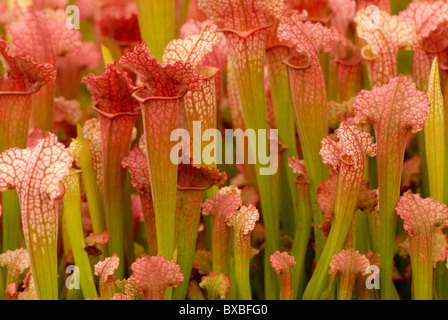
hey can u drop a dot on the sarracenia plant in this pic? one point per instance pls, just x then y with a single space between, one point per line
200 105
137 163
193 180
344 152
220 208
246 39
423 218
307 83
394 110
303 220
151 276
284 115
164 85
283 264
88 154
72 215
385 37
117 113
430 26
36 175
22 79
349 265
216 285
242 223
53 40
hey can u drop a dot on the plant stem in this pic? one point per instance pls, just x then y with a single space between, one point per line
72 212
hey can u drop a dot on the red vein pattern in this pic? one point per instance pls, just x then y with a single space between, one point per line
117 113
394 110
53 40
23 78
283 264
137 164
430 24
192 181
216 285
349 263
150 278
245 16
106 271
220 208
423 218
383 43
217 58
36 174
164 86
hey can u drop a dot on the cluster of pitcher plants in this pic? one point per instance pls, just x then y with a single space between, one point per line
352 93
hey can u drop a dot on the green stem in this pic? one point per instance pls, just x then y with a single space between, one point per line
72 212
435 136
422 268
301 238
346 284
241 254
389 181
157 24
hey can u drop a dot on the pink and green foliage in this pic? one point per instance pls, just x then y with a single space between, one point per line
345 152
394 110
423 219
307 83
283 264
163 87
36 175
429 21
349 265
23 78
53 40
105 270
193 180
151 276
216 285
384 38
220 208
117 112
243 223
137 163
246 33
